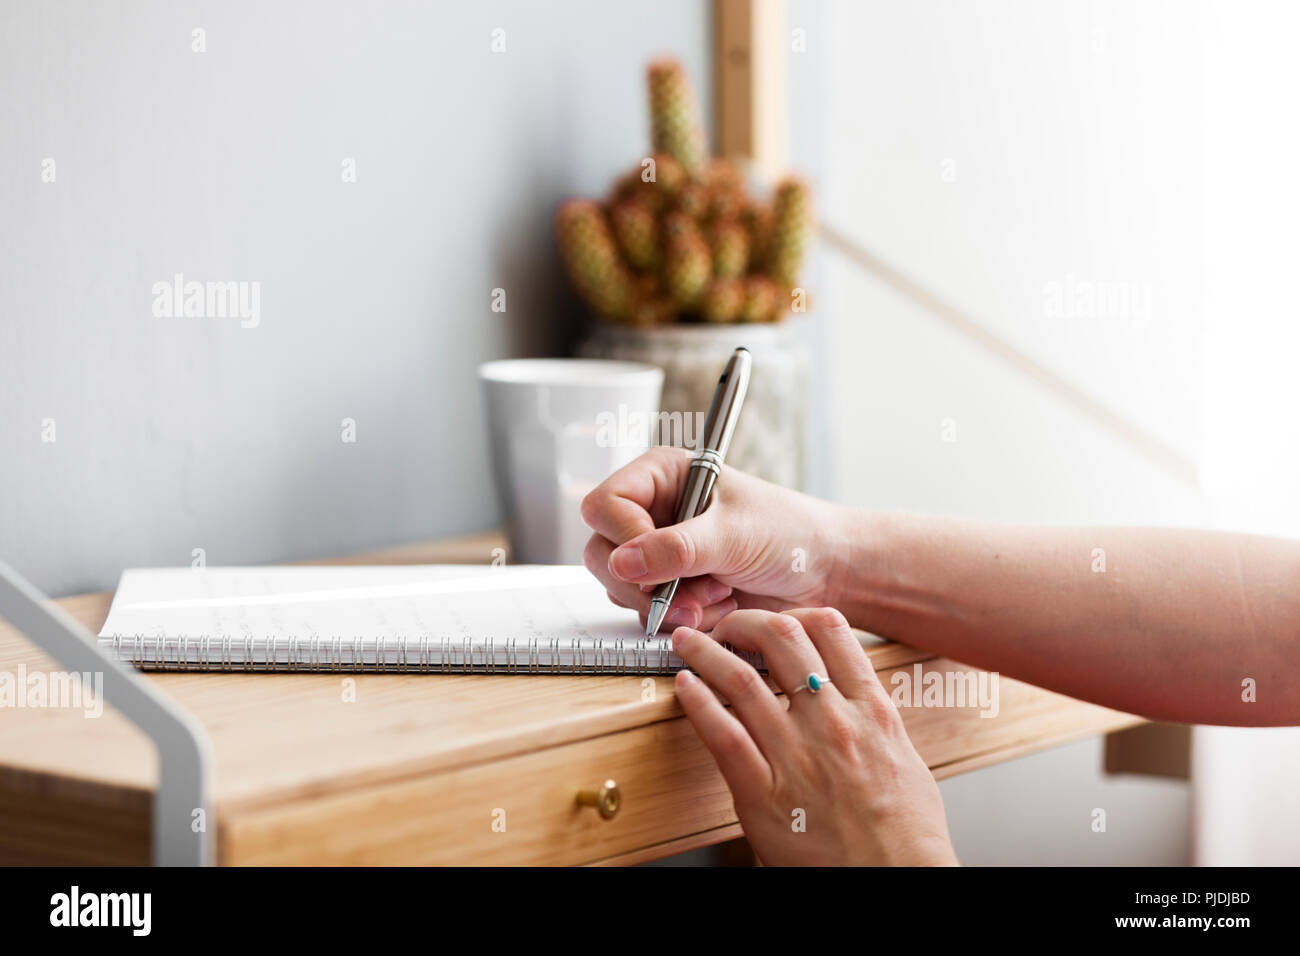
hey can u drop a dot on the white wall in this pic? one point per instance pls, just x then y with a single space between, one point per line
986 151
1011 159
1247 780
1005 154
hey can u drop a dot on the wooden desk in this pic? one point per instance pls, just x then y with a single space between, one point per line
427 768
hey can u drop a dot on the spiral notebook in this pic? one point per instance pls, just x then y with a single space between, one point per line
412 618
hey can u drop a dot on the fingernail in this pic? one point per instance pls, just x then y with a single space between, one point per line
683 615
628 562
686 677
715 591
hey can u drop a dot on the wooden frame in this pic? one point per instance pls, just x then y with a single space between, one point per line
751 83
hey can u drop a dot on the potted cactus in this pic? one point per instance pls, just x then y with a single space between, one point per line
681 263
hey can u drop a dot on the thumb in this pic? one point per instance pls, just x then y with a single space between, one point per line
685 550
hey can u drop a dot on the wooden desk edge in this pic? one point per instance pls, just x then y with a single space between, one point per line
70 793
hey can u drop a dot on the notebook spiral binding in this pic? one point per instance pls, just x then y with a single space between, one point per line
400 655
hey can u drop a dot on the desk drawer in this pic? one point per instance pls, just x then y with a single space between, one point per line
519 810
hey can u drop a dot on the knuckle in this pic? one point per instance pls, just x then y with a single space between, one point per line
667 455
731 740
679 547
828 619
593 554
842 733
883 713
785 629
590 507
741 682
869 669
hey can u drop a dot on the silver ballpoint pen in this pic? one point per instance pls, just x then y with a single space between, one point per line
719 426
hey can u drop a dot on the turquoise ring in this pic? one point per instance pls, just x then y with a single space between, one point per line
813 684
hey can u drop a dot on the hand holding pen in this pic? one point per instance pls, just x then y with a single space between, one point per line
719 427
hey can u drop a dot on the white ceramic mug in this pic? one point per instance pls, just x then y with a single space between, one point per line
558 428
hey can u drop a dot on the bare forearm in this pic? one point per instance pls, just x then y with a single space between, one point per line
1164 623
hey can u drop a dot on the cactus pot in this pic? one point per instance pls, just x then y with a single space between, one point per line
772 438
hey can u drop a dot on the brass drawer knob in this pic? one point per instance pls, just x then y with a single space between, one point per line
606 800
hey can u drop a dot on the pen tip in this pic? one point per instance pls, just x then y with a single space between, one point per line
655 617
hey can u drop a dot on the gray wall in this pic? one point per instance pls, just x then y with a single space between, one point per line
180 433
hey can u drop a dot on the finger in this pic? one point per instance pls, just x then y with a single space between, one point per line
693 596
708 618
847 664
787 651
700 618
714 613
698 546
754 703
638 497
742 764
596 559
697 593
